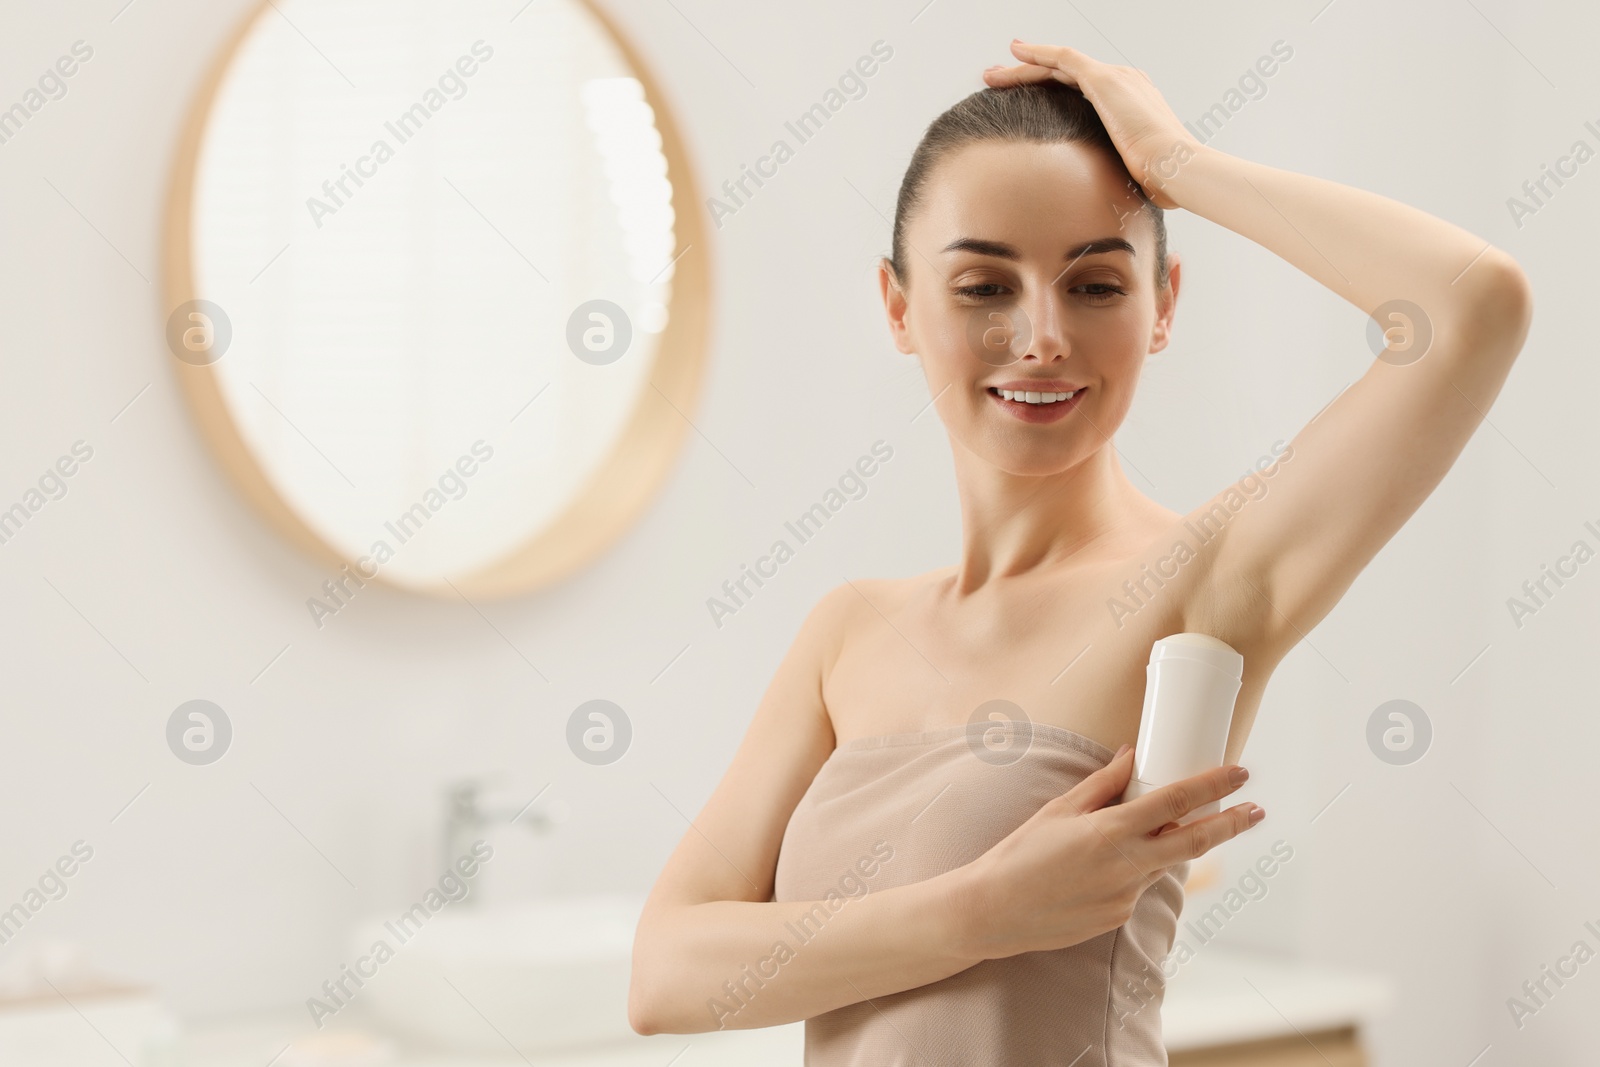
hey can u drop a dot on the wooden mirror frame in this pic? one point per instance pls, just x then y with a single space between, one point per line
625 481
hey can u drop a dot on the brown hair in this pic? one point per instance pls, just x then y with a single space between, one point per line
1039 112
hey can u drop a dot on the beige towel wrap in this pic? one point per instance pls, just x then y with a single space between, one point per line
931 802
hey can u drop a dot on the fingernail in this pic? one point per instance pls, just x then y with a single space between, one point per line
1238 776
1120 751
988 69
1257 813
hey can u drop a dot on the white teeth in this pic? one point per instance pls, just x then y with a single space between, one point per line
1036 398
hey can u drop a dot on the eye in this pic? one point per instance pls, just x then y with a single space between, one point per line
1106 297
980 292
1105 293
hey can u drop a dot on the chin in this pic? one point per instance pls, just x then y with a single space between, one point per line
1026 460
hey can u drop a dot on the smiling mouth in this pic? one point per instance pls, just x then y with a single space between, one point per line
1040 399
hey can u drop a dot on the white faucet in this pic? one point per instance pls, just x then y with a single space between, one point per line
465 816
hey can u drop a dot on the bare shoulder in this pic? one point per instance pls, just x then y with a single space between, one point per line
730 852
864 599
794 713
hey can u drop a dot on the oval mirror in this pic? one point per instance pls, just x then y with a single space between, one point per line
435 285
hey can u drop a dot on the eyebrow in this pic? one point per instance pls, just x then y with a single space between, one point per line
1001 250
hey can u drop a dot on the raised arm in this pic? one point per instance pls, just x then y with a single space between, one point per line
710 920
1362 466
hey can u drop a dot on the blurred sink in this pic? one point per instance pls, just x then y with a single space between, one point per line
547 974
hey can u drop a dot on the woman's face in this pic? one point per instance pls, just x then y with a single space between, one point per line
1030 264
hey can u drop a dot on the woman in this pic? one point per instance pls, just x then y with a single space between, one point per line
873 861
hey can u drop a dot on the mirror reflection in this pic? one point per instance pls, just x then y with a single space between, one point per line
442 246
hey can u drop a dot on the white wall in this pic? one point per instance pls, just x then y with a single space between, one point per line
151 583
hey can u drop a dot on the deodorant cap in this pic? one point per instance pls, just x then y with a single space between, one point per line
1202 647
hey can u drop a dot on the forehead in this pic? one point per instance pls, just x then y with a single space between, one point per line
1034 196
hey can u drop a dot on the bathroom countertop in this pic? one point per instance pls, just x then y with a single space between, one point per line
258 1039
1218 997
1223 996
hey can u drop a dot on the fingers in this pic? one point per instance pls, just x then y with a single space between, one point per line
1001 76
1182 843
1153 811
1070 62
1103 786
1040 62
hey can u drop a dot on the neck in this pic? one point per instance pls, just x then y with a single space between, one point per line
1017 524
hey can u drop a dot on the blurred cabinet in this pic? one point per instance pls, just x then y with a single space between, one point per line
1326 1048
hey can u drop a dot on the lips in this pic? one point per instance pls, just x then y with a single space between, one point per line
1037 385
1038 413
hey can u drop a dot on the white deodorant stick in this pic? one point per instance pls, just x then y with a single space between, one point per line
1189 691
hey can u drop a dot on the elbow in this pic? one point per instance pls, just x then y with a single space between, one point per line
652 1007
660 988
1502 303
639 1018
644 1007
649 1015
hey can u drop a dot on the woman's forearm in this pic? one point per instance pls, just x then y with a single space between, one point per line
1365 247
737 965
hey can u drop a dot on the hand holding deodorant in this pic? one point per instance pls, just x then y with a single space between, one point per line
1190 688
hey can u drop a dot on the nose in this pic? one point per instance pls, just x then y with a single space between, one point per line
1047 324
